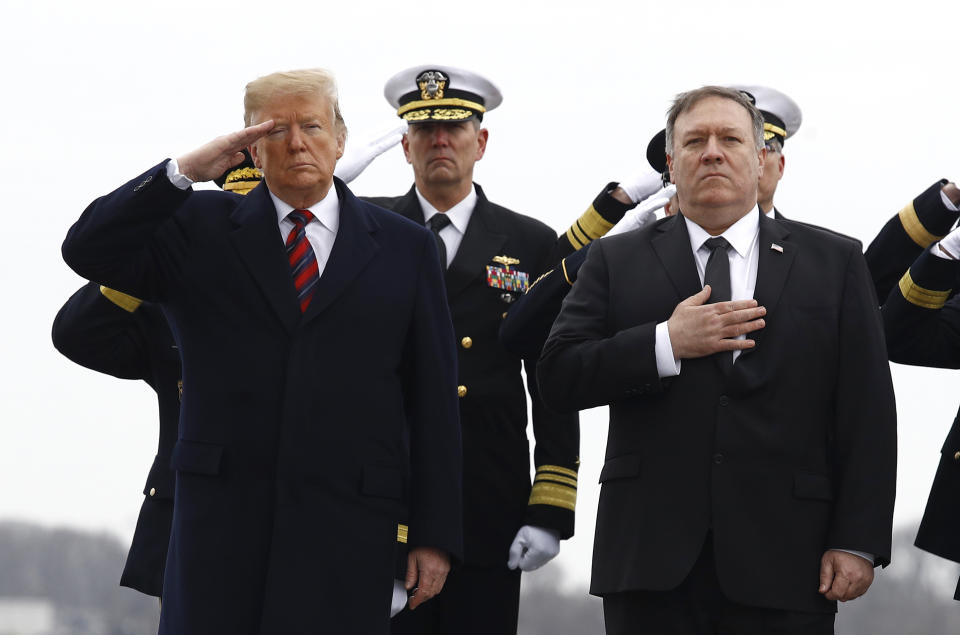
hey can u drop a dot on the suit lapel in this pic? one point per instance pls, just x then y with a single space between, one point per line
480 243
258 242
672 246
352 250
776 255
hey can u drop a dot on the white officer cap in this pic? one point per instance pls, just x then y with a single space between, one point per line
781 115
433 92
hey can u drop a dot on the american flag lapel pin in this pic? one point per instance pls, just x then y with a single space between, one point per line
777 248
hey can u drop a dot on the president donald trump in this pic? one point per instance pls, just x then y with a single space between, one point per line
750 469
318 375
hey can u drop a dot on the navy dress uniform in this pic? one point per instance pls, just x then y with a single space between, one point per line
499 253
116 334
921 316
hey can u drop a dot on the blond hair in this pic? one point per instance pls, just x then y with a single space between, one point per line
317 81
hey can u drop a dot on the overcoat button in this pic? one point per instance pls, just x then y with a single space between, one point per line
466 342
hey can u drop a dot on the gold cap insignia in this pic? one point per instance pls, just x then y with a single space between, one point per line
431 84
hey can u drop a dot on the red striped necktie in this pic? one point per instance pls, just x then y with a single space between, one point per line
303 262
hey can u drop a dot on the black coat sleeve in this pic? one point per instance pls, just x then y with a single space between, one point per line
97 328
918 225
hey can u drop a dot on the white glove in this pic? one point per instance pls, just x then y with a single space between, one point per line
642 185
354 161
643 214
533 547
399 597
949 246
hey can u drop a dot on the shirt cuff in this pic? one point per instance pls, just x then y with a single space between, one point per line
180 181
667 364
863 554
948 203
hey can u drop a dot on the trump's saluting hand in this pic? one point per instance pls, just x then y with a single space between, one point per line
216 157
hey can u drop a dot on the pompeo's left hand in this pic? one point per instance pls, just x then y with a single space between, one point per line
844 576
533 547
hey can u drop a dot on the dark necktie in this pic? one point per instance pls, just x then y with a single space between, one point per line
717 275
435 224
303 262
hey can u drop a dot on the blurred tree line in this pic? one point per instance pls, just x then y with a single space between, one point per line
78 573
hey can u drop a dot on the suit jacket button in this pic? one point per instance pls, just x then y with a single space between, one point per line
723 400
153 491
466 342
461 391
718 458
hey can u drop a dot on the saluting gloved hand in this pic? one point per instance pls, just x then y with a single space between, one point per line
354 161
949 246
399 597
642 185
643 214
533 547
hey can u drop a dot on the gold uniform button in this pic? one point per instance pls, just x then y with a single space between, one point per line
153 491
956 457
503 315
466 342
461 391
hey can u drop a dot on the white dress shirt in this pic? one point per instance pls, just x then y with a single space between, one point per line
321 233
459 216
743 255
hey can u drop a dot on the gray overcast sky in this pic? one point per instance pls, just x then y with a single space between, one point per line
97 92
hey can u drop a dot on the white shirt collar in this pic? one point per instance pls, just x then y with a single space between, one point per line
326 211
459 214
740 235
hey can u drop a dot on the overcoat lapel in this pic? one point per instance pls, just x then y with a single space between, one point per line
481 242
776 255
672 246
353 248
258 242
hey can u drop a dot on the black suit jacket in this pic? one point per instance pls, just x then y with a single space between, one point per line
294 428
498 499
131 340
791 453
921 314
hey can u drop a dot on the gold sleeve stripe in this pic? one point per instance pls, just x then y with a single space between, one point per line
924 298
559 470
556 495
563 263
450 101
579 233
914 228
402 533
593 224
574 240
553 478
126 302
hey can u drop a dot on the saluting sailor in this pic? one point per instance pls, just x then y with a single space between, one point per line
914 265
490 254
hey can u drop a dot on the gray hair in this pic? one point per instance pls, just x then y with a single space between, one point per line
685 101
316 81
